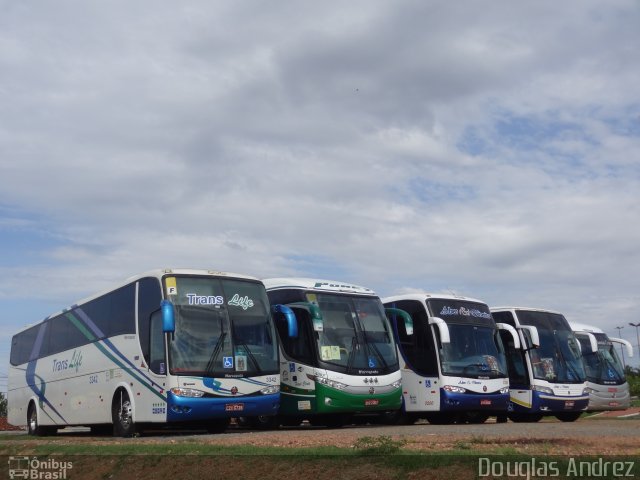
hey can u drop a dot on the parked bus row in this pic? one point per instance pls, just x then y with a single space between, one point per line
197 348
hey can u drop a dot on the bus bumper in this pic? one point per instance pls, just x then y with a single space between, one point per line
605 400
545 403
331 400
453 402
189 409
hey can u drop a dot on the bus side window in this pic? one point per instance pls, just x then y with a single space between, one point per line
157 354
149 298
299 348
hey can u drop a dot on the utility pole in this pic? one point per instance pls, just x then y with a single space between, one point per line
637 335
624 366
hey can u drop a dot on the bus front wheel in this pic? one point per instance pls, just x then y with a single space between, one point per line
33 425
121 413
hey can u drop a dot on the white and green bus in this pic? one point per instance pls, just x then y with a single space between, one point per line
343 360
608 388
169 347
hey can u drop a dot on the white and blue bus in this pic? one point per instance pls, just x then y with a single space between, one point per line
606 382
343 360
546 374
452 359
169 347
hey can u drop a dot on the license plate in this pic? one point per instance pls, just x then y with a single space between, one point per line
614 404
569 404
372 402
485 402
234 407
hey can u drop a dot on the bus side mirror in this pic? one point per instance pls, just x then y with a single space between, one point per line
534 337
408 321
513 331
290 318
314 312
168 317
592 342
625 343
442 327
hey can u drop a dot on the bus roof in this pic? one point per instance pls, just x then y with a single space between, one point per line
316 284
530 309
158 273
581 327
426 296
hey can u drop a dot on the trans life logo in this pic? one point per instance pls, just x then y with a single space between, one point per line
35 469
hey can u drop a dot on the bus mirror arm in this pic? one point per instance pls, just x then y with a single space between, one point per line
513 331
290 318
168 317
408 321
593 343
443 328
533 334
625 343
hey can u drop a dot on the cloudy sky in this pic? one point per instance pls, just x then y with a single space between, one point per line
484 148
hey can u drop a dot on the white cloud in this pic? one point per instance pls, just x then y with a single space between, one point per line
487 149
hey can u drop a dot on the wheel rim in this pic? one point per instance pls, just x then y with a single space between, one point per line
124 412
33 420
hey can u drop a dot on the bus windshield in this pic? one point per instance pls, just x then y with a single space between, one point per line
356 334
222 329
475 349
602 367
559 357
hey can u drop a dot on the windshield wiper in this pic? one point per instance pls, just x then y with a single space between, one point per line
352 355
216 351
376 351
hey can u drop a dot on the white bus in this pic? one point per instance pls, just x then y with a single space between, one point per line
343 360
546 374
453 362
607 385
169 347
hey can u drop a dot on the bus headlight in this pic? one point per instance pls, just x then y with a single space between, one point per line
270 390
187 392
396 384
504 390
588 391
453 389
540 389
330 383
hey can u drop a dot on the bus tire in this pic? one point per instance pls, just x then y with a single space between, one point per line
568 416
121 414
33 424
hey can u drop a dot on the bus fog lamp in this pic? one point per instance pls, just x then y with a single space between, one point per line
187 392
